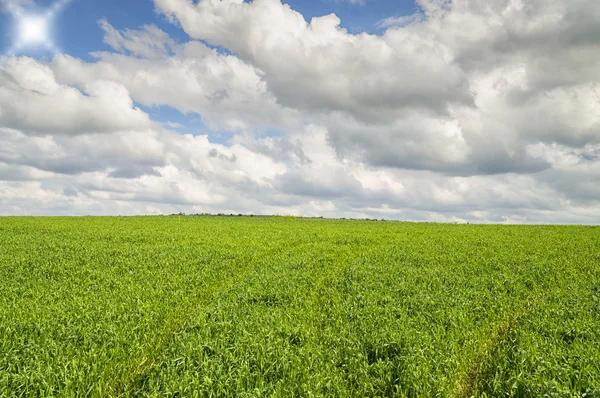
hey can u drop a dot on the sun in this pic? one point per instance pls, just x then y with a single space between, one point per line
33 30
32 26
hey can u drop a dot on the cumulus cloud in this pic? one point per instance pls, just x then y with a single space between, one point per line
228 93
318 65
33 101
458 77
465 111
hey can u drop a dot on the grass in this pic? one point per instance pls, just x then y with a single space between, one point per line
249 307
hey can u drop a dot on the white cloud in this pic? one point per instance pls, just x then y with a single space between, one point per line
319 66
228 93
149 42
478 72
32 100
464 112
400 21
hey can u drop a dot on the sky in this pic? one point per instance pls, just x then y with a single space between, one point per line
428 110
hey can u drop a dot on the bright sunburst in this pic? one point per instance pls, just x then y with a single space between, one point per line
34 30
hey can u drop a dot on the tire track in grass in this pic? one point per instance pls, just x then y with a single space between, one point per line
469 379
179 324
173 329
332 266
327 298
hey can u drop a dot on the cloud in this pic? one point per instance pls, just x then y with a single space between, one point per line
33 101
463 112
456 87
14 7
226 92
318 65
148 42
400 21
131 173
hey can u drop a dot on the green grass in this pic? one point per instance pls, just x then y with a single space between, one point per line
249 307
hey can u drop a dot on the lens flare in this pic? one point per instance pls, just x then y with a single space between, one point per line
33 30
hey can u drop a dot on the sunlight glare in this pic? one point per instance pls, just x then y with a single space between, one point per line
33 30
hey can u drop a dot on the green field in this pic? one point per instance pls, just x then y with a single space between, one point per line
240 306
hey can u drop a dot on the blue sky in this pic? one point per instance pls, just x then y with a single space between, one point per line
77 33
